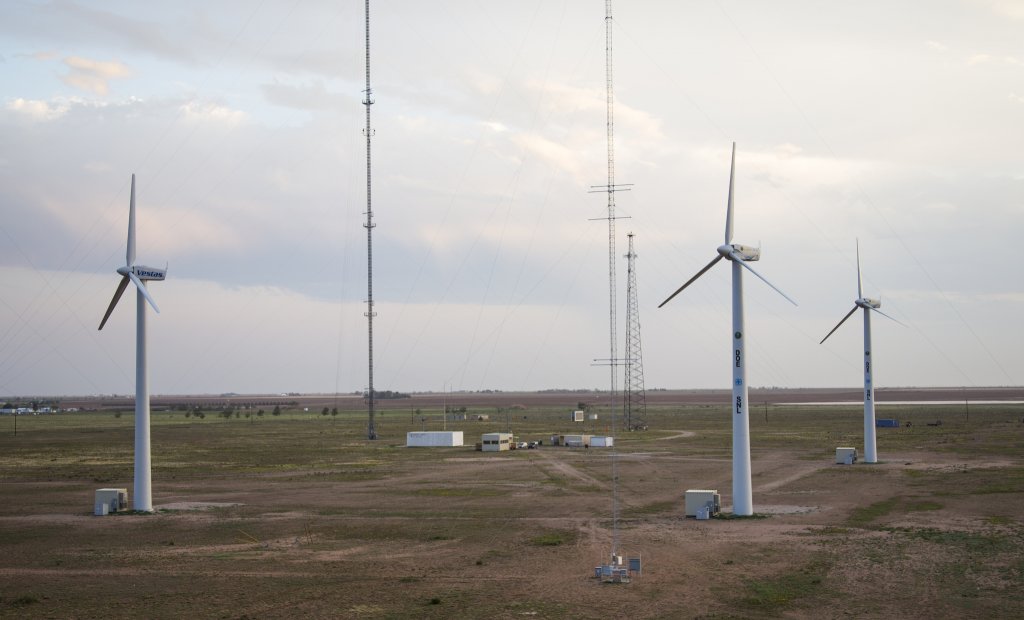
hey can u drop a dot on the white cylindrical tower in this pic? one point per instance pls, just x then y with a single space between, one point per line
742 494
870 450
143 500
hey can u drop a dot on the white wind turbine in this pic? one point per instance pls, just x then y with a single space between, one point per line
139 275
869 305
740 255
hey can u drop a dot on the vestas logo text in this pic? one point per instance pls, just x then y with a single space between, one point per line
149 274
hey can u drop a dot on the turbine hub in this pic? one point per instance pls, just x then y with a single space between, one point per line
868 303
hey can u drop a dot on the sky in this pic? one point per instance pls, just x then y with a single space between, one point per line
895 125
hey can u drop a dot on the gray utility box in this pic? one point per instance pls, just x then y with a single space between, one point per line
703 498
110 500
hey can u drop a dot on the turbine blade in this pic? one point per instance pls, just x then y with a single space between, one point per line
860 294
142 289
113 302
887 316
736 257
848 315
130 255
728 210
690 281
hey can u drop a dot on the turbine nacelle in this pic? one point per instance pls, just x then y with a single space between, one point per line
743 252
144 273
868 304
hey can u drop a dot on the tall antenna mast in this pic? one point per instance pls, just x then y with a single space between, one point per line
371 429
610 188
610 106
634 395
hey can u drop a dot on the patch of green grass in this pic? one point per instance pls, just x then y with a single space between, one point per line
440 537
998 520
459 492
774 594
728 516
963 480
972 542
864 516
922 506
652 508
24 601
553 539
832 530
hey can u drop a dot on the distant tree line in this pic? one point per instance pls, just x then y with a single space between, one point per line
385 394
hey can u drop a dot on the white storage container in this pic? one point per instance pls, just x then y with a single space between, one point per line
433 439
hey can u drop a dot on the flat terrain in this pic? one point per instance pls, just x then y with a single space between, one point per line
299 515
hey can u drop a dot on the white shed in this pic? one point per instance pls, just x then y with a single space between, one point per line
495 442
706 499
433 439
110 500
846 456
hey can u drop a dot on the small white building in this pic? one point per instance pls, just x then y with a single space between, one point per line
495 442
110 500
703 499
577 416
846 456
433 439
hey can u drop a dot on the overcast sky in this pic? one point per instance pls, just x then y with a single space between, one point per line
898 124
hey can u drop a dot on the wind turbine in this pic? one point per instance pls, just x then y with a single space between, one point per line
869 305
740 255
138 275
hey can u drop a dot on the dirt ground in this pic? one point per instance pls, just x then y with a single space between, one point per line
304 518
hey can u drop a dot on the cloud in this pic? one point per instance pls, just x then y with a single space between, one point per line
199 112
495 126
935 45
1016 98
787 165
1014 9
39 110
310 96
555 153
93 75
979 59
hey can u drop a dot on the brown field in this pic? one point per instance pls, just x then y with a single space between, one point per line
300 516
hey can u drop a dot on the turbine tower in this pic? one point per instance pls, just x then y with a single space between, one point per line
634 396
739 255
371 428
138 275
868 305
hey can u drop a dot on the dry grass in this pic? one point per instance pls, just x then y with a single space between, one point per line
330 525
